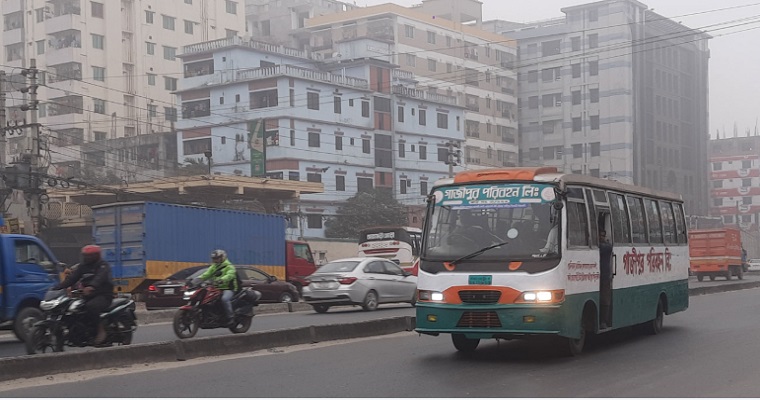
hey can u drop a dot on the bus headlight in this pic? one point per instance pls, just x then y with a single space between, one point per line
542 296
429 295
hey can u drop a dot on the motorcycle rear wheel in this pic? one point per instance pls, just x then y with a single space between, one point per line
125 323
242 324
185 324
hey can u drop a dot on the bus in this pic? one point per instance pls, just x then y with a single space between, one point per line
524 252
401 244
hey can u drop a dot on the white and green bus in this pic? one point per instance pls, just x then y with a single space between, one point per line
519 252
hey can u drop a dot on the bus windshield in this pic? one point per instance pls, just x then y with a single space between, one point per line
465 219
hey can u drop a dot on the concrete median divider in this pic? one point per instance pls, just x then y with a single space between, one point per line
726 287
181 350
157 316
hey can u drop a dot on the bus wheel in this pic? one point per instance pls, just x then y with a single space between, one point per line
463 344
575 346
654 326
712 277
700 277
729 273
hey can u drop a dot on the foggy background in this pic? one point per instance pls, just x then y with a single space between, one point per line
734 56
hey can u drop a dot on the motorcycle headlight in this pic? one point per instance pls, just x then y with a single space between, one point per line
188 294
49 304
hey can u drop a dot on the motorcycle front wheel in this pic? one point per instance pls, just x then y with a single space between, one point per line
242 324
40 339
186 324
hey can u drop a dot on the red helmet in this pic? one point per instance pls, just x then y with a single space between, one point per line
91 249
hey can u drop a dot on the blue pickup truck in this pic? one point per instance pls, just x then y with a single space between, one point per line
27 269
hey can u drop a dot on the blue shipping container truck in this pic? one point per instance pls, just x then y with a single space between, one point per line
146 241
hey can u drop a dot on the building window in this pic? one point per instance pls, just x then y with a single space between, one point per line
313 177
575 42
423 152
149 17
364 184
576 70
170 83
746 164
99 74
593 68
337 104
409 31
312 100
747 200
98 41
717 166
443 154
431 64
294 176
595 149
170 113
593 41
314 221
594 120
423 188
593 14
577 150
365 146
402 185
189 25
229 33
594 95
150 48
401 150
745 182
100 136
97 9
431 37
338 142
443 120
400 114
189 2
533 102
231 7
411 60
577 124
40 47
153 111
551 48
313 139
423 117
170 53
365 108
576 97
99 106
340 183
152 79
168 22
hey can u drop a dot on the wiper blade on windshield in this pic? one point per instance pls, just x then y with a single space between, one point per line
477 253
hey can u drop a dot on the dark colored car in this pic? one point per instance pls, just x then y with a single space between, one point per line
169 292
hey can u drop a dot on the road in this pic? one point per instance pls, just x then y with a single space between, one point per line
159 332
708 351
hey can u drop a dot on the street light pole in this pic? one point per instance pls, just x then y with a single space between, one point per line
208 155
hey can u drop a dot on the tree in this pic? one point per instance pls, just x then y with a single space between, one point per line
374 208
193 166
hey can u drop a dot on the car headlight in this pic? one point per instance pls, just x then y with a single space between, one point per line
429 295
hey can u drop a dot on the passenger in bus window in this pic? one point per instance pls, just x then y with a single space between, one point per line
475 229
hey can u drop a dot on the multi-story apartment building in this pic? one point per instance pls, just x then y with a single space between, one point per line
448 57
283 22
108 69
615 90
735 181
263 109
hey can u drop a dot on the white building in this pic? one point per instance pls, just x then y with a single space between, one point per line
352 125
109 67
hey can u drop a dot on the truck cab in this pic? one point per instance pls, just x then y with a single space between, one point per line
299 263
27 270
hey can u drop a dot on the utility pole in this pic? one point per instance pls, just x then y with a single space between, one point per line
454 157
2 120
33 192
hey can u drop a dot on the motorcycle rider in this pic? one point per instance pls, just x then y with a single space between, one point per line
225 278
97 287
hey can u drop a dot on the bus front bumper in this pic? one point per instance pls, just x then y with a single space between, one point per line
490 321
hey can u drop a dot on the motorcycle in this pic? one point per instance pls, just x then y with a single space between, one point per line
63 323
205 310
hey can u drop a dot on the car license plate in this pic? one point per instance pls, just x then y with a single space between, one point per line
169 291
480 280
321 285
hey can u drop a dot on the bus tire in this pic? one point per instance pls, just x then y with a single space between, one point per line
712 277
463 344
654 326
700 277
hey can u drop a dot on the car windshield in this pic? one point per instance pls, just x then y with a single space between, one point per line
466 219
185 273
339 266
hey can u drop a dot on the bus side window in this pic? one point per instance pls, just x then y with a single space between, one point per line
592 214
668 222
577 224
653 217
638 225
680 224
621 225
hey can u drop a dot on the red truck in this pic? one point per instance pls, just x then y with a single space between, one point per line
716 252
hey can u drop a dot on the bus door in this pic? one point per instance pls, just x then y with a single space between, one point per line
607 258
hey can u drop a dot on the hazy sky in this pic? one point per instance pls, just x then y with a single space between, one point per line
734 57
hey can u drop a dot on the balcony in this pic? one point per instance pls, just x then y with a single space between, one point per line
12 36
64 72
10 6
67 213
413 93
64 56
210 46
62 23
403 75
305 73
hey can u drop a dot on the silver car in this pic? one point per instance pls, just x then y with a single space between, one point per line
359 281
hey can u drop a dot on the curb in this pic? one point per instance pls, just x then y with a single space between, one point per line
182 350
728 287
